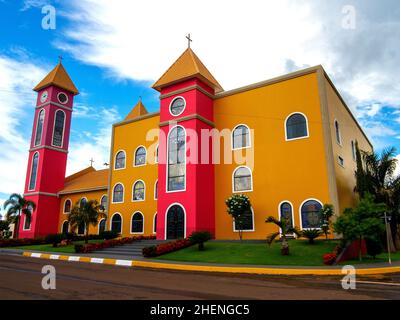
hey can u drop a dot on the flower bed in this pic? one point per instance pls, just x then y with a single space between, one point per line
155 251
90 247
21 242
330 258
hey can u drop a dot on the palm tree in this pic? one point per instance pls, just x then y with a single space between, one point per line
16 205
86 213
285 228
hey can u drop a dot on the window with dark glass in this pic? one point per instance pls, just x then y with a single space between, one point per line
296 126
156 190
247 223
65 227
27 223
156 159
58 128
242 179
118 193
140 156
310 214
353 150
120 160
337 130
81 228
102 225
67 206
116 223
155 224
241 137
35 163
138 191
103 203
137 223
176 159
82 202
177 106
39 128
286 212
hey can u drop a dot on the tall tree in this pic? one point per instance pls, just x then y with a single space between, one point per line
15 206
86 213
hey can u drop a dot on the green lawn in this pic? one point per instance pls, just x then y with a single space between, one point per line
381 258
50 248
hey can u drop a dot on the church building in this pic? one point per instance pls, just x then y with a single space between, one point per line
288 143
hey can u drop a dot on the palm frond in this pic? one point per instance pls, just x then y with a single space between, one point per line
271 238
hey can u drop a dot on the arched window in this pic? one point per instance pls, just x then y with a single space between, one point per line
286 212
241 137
67 206
176 159
103 203
138 191
155 223
116 223
337 132
247 223
137 223
65 227
120 160
140 156
310 214
35 163
39 128
118 193
81 228
102 225
58 131
156 190
82 202
28 219
296 126
242 180
156 158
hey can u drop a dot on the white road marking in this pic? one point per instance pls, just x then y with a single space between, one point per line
97 260
123 263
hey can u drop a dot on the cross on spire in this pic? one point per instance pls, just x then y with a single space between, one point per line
189 40
60 59
91 162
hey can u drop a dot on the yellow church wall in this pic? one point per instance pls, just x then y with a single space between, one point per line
128 136
291 171
75 197
349 131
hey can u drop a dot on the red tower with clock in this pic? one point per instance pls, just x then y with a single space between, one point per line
48 152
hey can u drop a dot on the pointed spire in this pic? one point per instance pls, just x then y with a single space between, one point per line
58 77
137 111
187 66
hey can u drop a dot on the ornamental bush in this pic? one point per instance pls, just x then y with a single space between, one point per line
55 239
238 205
199 237
107 235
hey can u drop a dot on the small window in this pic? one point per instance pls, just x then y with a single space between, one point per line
156 190
103 203
35 163
155 224
81 229
138 191
156 158
137 223
62 98
296 126
120 160
341 161
116 223
67 206
65 227
39 128
248 222
82 202
311 215
27 223
58 131
118 193
140 156
241 137
337 131
242 180
285 211
353 150
177 106
102 225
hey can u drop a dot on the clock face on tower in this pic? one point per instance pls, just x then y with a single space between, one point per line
44 96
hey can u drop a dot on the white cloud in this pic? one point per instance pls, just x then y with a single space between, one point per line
27 4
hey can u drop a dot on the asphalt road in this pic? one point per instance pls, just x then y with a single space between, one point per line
20 278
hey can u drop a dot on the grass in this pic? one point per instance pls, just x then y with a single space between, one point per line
301 253
379 259
50 248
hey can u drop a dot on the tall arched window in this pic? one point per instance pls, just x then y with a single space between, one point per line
156 157
138 191
103 203
34 168
156 190
242 180
176 159
83 202
65 227
28 219
58 131
137 225
39 128
310 214
118 193
67 206
286 212
120 160
296 126
116 223
155 223
241 137
337 132
102 225
140 156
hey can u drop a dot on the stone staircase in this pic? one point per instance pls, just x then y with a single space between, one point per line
131 250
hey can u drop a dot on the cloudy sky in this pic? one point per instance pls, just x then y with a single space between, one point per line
114 50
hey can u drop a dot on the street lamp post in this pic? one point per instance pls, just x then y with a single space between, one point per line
387 240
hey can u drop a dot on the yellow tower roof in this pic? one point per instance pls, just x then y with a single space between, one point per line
58 77
138 110
188 65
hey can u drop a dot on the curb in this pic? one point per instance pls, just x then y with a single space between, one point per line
206 268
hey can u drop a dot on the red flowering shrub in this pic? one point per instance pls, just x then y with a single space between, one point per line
155 251
330 258
20 242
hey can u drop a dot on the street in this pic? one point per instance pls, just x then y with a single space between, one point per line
20 278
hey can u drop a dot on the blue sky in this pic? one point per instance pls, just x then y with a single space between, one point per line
114 50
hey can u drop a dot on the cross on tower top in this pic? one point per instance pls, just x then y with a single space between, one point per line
60 58
189 40
91 162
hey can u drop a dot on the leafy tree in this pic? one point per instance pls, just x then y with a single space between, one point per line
363 222
15 206
326 212
86 213
311 234
285 228
4 229
238 207
199 238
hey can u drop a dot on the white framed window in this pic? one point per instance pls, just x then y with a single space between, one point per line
353 150
155 223
102 226
296 126
177 106
241 137
138 191
140 156
337 133
118 193
39 127
28 220
248 222
58 129
83 201
67 206
120 160
34 170
310 215
285 210
176 164
156 190
156 156
65 227
62 98
242 179
137 223
103 202
116 222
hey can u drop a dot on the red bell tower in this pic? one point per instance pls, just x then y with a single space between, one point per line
48 152
185 180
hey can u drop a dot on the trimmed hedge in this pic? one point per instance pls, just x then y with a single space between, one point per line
155 251
21 242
